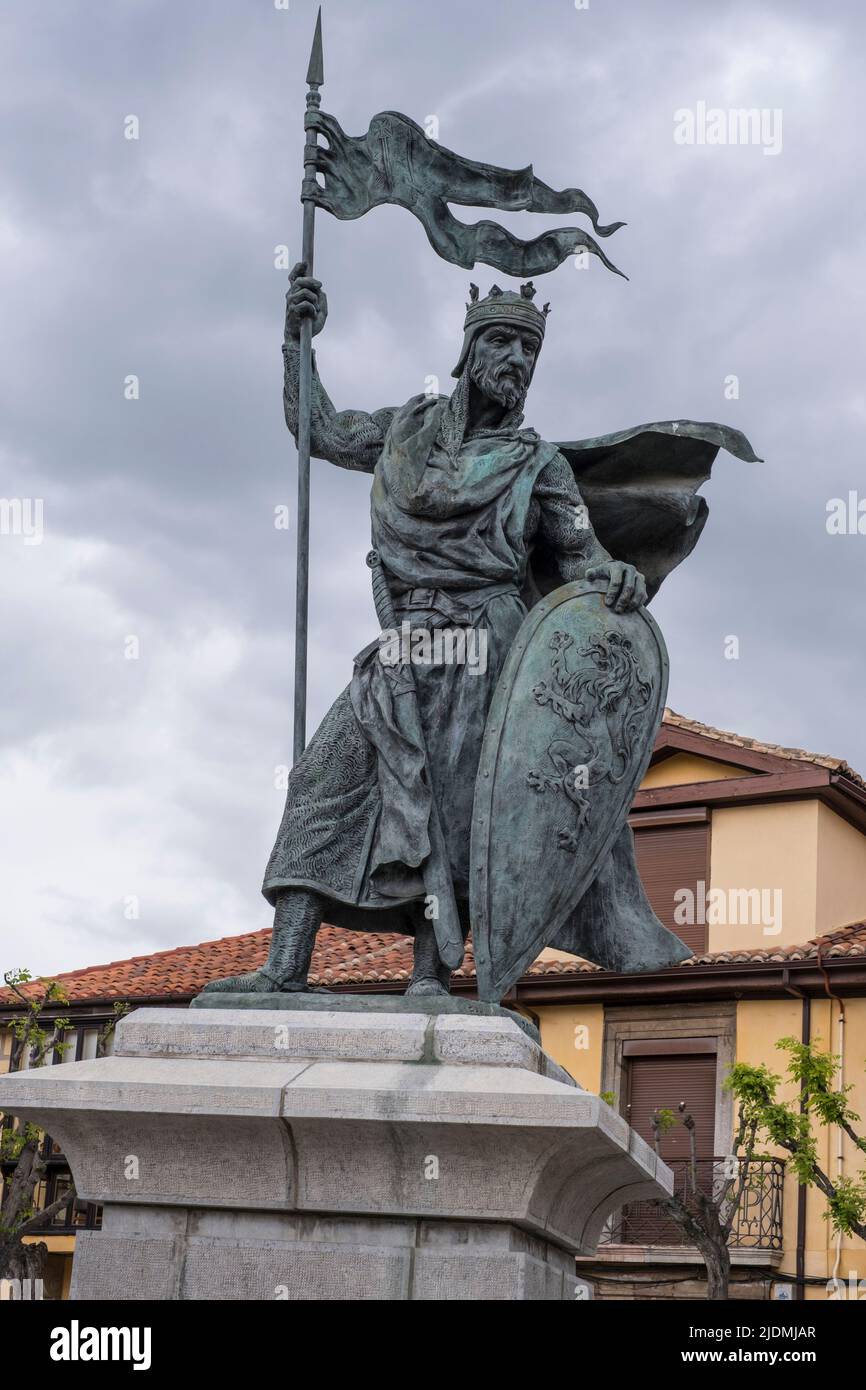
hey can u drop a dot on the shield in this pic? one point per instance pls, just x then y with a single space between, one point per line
568 738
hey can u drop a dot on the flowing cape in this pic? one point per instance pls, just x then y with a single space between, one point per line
640 487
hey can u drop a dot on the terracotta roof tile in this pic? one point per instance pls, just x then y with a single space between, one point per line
360 958
693 726
842 941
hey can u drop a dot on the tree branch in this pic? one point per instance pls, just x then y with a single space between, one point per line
41 1218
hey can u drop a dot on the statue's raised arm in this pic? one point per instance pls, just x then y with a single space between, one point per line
349 438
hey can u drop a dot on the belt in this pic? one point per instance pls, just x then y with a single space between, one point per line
461 608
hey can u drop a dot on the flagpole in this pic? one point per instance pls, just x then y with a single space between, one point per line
315 78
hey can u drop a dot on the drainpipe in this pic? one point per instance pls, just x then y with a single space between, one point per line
802 1190
840 1081
840 1137
805 1038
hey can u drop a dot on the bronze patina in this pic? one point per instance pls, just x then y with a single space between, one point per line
511 576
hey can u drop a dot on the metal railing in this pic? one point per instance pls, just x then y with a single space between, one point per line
77 1216
757 1223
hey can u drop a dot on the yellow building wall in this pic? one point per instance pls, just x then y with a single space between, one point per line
760 1024
682 768
56 1245
765 848
573 1035
814 858
841 871
811 855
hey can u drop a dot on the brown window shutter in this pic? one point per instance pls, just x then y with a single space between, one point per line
670 858
660 1083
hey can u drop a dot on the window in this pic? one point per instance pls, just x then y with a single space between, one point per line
673 853
660 1074
661 1080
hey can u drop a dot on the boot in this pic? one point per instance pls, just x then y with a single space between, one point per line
429 975
297 919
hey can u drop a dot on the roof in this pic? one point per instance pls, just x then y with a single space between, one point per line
672 720
346 958
847 941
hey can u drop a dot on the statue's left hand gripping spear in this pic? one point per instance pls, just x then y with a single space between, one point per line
315 78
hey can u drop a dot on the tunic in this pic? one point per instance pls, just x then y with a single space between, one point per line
455 537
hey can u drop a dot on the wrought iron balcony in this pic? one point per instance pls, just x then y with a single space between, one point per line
757 1223
77 1216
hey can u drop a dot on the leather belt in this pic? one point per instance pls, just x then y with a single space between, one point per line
461 609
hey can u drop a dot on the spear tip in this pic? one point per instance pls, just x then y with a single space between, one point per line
316 70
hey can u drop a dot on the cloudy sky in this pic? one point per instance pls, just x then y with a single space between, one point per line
147 637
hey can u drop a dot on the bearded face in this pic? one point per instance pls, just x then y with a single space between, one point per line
501 363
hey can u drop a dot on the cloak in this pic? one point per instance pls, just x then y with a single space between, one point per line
640 487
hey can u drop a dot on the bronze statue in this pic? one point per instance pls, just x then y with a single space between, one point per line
473 518
479 767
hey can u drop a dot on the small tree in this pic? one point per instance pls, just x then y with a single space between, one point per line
33 1037
22 1145
791 1124
705 1214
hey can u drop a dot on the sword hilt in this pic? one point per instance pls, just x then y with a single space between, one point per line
381 593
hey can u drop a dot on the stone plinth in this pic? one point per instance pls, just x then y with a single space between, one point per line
244 1153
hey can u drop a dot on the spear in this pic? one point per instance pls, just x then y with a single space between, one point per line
315 78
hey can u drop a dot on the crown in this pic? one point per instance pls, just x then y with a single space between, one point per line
504 306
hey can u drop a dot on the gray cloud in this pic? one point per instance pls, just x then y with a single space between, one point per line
154 779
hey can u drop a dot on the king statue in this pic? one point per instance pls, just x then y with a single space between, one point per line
485 532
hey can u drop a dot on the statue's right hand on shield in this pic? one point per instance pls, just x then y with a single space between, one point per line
305 298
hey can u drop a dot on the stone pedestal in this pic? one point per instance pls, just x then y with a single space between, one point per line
322 1152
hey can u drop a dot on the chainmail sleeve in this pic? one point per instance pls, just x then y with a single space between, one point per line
349 438
562 521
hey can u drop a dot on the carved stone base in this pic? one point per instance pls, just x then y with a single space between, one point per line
309 1154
